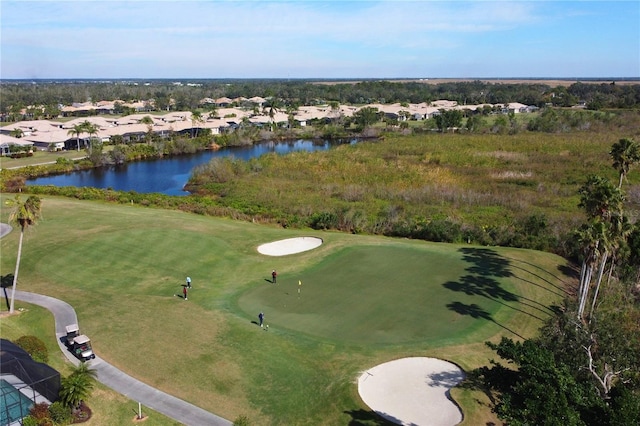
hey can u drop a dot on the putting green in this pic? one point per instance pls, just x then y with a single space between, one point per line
392 294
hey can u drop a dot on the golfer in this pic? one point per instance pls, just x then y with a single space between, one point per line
188 282
274 275
261 318
184 291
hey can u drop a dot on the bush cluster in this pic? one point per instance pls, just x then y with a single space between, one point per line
48 415
34 347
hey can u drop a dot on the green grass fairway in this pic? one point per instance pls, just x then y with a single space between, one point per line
395 294
363 300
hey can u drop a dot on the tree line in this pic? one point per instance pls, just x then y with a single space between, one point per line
584 368
44 97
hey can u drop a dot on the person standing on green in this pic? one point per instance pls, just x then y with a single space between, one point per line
188 282
274 275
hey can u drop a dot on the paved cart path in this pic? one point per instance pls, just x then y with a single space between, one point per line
119 381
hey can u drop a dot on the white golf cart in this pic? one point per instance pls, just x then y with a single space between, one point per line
79 344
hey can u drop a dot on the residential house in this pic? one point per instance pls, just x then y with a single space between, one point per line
7 144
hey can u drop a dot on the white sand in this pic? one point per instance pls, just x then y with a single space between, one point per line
413 391
290 246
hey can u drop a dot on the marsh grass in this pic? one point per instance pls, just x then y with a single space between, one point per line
469 179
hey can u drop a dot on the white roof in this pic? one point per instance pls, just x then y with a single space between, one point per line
81 339
96 121
56 135
257 100
6 140
31 125
50 131
443 103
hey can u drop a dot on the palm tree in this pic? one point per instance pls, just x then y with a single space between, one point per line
76 130
600 198
24 214
213 111
17 132
618 231
588 238
625 153
196 118
149 122
605 245
274 107
603 204
91 129
77 387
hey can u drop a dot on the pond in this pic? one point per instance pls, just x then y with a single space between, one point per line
170 175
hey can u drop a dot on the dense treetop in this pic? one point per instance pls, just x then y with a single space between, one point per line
187 95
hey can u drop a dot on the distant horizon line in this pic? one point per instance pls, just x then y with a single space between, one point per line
180 79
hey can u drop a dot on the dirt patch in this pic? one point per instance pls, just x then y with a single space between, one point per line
549 82
82 414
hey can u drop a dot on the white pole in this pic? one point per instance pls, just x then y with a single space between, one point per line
139 411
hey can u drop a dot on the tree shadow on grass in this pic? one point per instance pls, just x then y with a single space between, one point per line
473 285
371 418
477 285
486 262
475 311
5 282
487 266
573 274
567 272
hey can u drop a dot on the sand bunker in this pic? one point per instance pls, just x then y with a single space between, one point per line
413 391
289 246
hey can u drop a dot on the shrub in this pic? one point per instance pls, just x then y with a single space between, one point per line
15 184
40 413
60 414
63 161
440 230
29 421
218 170
34 347
324 220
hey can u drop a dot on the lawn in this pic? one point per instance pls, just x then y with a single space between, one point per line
394 294
363 300
40 157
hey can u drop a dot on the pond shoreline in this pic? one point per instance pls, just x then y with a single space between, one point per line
167 174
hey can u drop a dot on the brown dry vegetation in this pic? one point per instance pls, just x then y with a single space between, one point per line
549 82
375 187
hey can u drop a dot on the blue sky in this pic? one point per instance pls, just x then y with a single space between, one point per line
319 39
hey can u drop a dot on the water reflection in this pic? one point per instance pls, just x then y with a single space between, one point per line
169 175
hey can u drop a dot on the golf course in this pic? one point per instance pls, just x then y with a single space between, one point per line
351 303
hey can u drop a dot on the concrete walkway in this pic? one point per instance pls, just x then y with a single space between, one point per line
134 389
5 229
